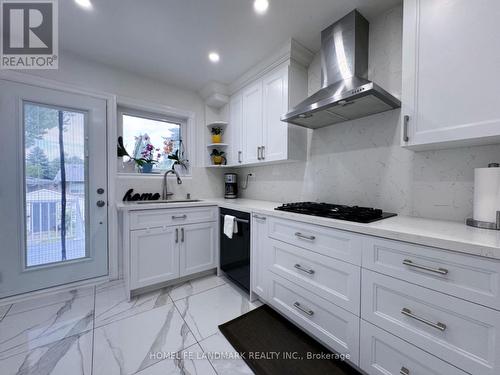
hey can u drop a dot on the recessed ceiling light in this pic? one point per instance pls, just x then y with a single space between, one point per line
86 4
214 57
261 6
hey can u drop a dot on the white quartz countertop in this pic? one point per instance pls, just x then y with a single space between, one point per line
449 235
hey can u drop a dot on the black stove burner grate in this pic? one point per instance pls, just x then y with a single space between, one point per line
336 211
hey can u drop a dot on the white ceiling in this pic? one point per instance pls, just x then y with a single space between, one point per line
169 40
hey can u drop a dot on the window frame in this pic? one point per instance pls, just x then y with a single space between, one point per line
158 114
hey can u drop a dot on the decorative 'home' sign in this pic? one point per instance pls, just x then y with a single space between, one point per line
131 197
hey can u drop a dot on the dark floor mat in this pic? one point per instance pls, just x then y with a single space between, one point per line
264 338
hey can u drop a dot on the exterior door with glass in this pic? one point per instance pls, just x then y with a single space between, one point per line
53 191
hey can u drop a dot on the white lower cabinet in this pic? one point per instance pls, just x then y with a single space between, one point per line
384 354
334 326
181 243
259 253
197 248
329 278
425 311
154 256
457 331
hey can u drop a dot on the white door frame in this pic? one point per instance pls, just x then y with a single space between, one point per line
111 135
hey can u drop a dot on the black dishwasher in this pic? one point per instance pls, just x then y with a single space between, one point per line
235 252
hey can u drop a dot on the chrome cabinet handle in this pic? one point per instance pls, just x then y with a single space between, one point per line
409 262
406 120
305 237
182 234
404 371
179 217
258 153
307 311
239 156
300 268
262 152
440 326
176 235
259 217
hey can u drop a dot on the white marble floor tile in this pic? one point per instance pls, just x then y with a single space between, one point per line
69 356
195 286
129 345
27 330
109 284
205 311
3 311
112 304
51 299
224 358
189 361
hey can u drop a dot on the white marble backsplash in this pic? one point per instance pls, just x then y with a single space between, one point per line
361 162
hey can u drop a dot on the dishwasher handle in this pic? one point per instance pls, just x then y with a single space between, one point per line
238 220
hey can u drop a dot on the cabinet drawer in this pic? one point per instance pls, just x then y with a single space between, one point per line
469 277
171 216
334 280
334 326
460 332
327 241
383 354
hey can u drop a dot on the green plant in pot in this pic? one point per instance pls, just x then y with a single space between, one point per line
218 157
216 134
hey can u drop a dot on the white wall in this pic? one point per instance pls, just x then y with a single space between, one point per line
361 162
98 77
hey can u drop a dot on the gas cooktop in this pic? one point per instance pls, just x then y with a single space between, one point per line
336 211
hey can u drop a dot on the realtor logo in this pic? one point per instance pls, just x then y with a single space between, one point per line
29 34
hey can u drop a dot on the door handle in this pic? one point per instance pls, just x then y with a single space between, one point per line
100 203
100 191
262 152
259 217
182 234
179 217
406 120
258 153
409 262
298 306
440 326
300 268
176 235
239 156
305 237
404 371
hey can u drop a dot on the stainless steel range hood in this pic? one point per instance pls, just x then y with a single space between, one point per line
346 92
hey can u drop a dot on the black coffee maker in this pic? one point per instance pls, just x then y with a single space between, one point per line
231 190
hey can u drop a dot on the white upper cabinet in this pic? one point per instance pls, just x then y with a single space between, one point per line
451 57
275 104
257 133
252 123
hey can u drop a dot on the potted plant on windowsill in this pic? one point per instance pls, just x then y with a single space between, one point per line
216 134
147 160
218 157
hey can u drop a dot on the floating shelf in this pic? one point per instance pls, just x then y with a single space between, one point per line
217 124
215 145
219 166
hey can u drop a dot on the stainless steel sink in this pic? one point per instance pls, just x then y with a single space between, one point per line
169 201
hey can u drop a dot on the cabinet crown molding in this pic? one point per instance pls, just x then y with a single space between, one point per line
215 94
291 51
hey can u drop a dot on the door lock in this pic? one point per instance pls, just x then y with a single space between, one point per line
101 203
